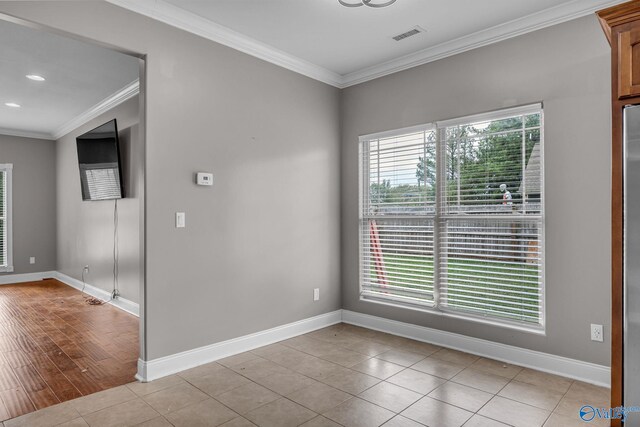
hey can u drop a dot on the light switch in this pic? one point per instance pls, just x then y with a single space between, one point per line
181 220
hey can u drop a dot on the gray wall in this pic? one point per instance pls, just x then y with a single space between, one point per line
566 67
267 232
34 201
85 229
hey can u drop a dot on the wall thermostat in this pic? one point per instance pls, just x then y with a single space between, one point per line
203 178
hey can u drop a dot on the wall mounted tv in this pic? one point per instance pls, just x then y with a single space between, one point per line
99 160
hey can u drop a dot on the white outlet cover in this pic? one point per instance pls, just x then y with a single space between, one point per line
597 333
316 294
32 260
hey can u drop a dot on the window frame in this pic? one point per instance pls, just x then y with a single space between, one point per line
7 169
440 218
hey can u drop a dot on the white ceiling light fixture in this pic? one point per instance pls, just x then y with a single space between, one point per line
12 104
35 77
370 3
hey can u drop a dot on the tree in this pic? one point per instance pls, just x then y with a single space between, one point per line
426 167
487 157
379 193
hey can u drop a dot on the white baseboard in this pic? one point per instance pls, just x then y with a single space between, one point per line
158 368
121 303
7 279
563 366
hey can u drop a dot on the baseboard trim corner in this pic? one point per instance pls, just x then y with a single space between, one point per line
121 303
7 279
141 375
553 364
163 366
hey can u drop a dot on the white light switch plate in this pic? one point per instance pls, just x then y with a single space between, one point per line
181 220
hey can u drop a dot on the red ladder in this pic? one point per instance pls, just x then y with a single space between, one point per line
376 248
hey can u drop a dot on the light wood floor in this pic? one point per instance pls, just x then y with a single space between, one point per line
55 347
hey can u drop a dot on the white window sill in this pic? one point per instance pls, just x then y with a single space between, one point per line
8 269
536 330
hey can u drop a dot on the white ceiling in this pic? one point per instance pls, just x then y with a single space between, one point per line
318 38
80 77
345 40
344 46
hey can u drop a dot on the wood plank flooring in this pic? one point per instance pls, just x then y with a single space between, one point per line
55 347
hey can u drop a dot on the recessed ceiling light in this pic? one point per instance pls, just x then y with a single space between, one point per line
12 104
35 77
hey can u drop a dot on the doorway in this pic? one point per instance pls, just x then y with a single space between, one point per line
71 271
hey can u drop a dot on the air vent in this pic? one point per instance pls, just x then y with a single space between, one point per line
412 32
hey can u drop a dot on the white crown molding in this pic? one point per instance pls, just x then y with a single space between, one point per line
533 22
25 134
190 22
127 92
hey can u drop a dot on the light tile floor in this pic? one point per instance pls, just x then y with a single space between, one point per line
338 376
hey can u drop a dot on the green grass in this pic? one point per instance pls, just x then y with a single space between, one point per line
510 293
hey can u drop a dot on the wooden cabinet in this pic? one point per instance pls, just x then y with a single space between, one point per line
628 53
621 25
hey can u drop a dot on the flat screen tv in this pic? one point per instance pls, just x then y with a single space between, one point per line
99 160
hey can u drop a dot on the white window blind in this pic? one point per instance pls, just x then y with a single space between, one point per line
6 264
397 217
452 217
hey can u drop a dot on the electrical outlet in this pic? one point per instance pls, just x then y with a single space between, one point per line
86 269
32 260
596 333
316 294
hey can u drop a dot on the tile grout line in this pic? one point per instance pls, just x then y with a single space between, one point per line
350 368
553 411
435 376
395 347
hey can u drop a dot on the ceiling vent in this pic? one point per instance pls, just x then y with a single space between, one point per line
412 32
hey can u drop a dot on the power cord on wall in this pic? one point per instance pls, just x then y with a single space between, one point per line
115 293
88 298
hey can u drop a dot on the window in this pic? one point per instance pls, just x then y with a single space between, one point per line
451 217
6 264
